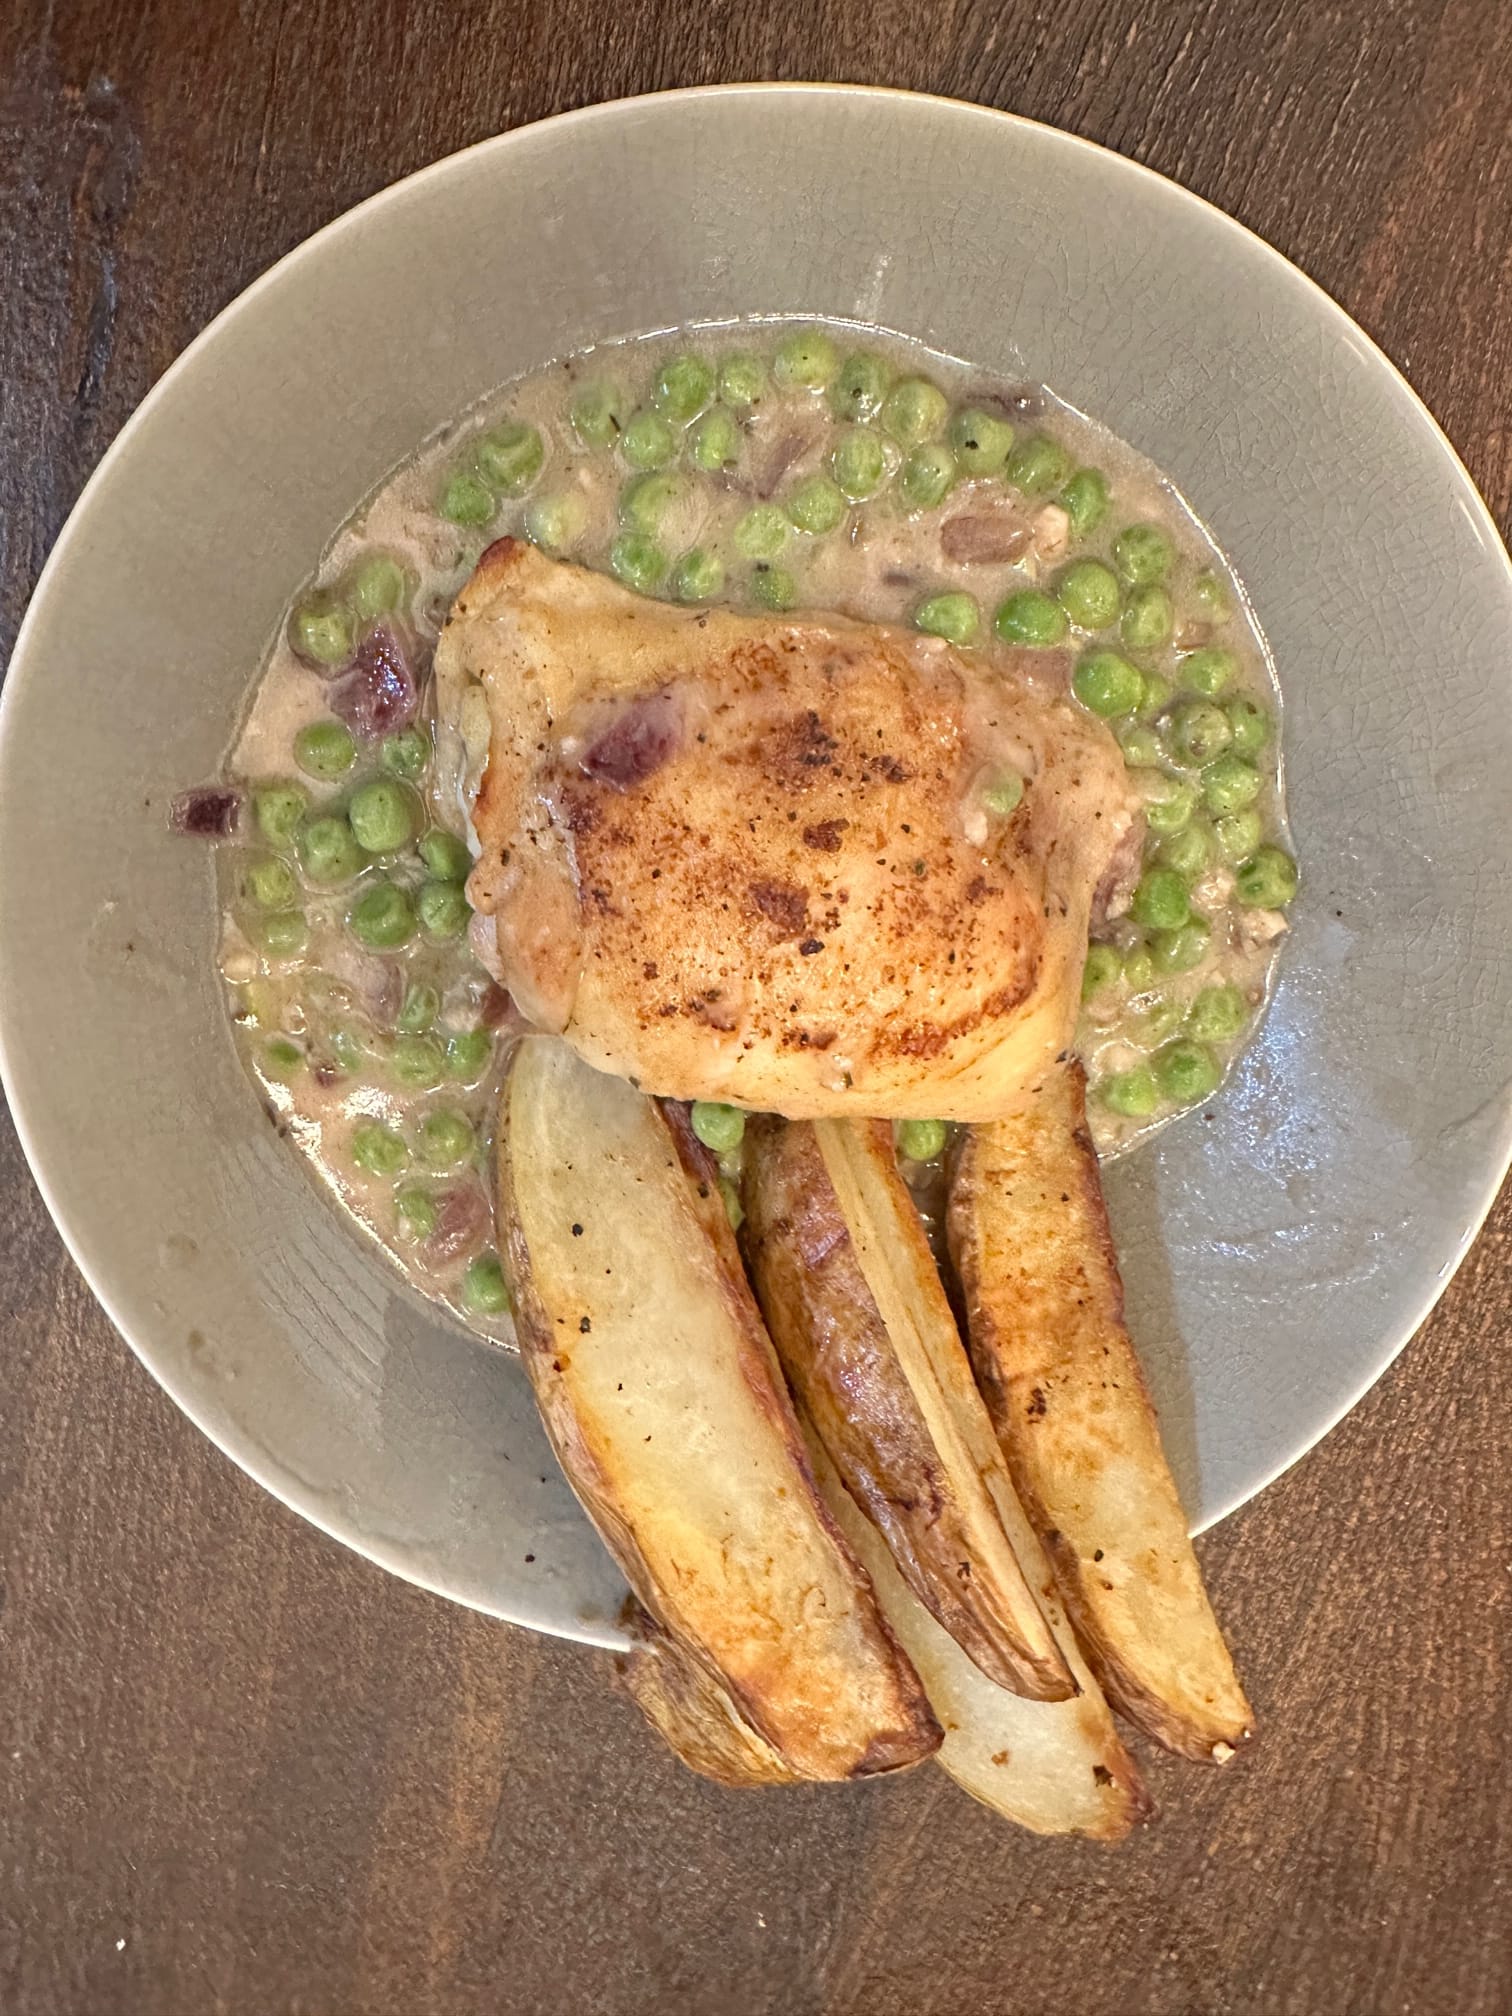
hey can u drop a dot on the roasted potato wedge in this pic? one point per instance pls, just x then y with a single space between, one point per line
693 1713
833 1240
1029 1236
659 1387
1055 1767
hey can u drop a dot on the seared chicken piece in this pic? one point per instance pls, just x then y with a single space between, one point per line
769 860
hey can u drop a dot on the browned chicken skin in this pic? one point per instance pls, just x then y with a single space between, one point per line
748 858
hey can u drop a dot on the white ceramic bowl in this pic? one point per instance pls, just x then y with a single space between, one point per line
1280 1247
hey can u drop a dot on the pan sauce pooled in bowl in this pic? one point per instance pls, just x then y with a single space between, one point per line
771 467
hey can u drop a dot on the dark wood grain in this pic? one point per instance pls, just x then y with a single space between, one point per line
241 1770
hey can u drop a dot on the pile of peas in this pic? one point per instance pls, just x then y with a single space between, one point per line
346 842
346 845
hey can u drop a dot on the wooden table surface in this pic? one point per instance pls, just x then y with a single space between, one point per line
242 1770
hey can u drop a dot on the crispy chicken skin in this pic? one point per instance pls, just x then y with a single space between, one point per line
744 857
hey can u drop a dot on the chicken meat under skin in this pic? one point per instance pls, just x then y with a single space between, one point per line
755 858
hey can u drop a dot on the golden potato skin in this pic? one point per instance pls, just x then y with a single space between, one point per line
846 1369
663 1398
1029 1237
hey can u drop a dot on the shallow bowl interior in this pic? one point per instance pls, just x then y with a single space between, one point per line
1280 1247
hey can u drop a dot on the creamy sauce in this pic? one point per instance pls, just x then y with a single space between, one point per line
405 1038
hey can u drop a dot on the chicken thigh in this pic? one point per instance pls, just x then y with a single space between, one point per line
802 864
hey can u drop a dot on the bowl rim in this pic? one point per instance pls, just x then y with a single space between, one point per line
28 1122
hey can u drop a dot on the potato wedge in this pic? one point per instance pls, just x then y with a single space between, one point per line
1055 1767
693 1713
659 1387
888 1393
1029 1237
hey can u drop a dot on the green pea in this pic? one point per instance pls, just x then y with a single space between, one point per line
637 560
858 463
1003 796
684 386
1148 619
1088 592
1217 1015
557 522
1230 785
279 809
1187 1072
647 442
376 586
596 413
382 916
1267 881
469 1052
1209 670
445 855
1162 901
378 1150
1143 555
762 533
1030 616
466 499
1139 968
1156 694
716 442
384 816
817 505
446 1138
742 379
1085 501
270 884
1141 746
1101 970
927 475
720 1128
444 909
418 1062
1107 684
1250 726
646 499
328 851
1238 834
698 577
954 616
1132 1094
805 361
321 631
1210 598
422 1004
1187 851
914 412
1169 801
773 587
1199 732
415 1211
281 1058
405 754
1038 465
981 441
509 457
921 1140
860 387
324 749
284 934
734 1209
484 1290
1179 951
348 1051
